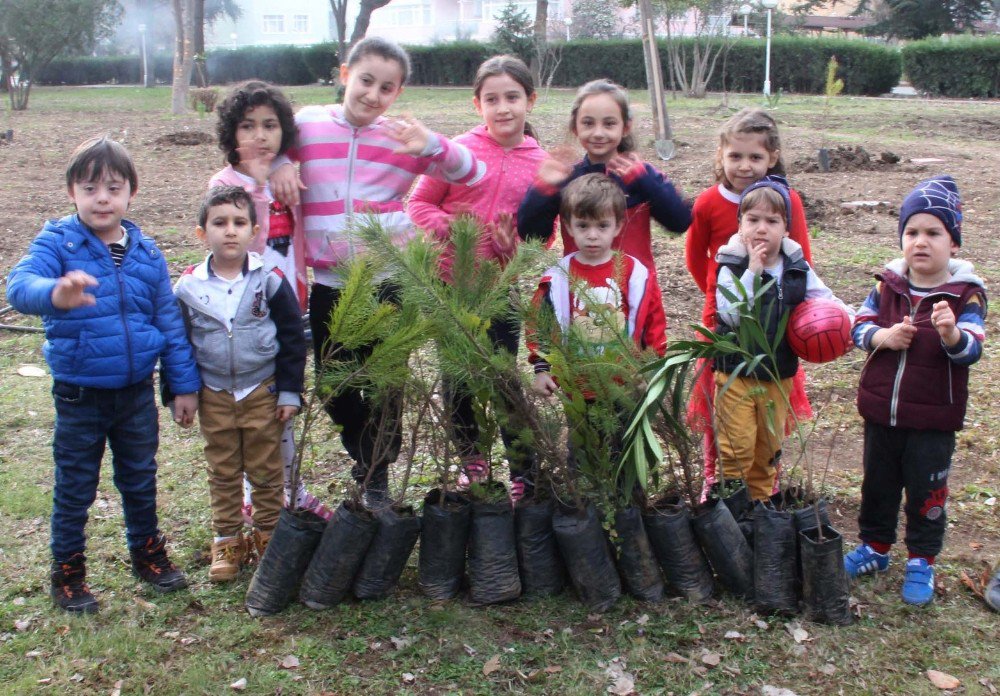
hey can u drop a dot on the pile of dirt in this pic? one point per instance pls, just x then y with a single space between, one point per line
849 159
185 138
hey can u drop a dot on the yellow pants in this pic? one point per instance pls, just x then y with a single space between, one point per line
242 436
750 426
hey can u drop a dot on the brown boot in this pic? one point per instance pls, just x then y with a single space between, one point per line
228 556
259 540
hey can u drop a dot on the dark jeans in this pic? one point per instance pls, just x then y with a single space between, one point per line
505 334
87 419
917 461
371 431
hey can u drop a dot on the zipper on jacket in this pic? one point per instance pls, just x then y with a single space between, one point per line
121 306
352 154
900 368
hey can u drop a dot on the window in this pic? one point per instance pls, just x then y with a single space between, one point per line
300 24
273 24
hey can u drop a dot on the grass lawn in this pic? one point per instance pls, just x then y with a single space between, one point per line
202 641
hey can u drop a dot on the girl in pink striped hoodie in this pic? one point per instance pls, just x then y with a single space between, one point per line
355 162
503 94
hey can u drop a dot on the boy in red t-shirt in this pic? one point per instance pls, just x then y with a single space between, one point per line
607 297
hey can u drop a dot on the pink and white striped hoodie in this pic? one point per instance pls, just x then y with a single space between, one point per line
352 171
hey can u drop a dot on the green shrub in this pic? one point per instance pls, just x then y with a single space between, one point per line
321 60
964 67
282 65
449 63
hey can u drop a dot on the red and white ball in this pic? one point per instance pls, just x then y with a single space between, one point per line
819 331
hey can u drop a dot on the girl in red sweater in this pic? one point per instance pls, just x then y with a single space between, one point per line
749 149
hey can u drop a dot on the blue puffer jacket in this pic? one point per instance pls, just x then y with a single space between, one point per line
116 342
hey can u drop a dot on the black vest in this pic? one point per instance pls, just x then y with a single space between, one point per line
772 304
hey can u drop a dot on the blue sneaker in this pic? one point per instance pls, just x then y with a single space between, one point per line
864 560
918 586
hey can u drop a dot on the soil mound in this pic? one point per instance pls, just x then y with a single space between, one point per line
849 159
185 138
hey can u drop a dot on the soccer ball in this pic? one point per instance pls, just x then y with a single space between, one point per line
819 331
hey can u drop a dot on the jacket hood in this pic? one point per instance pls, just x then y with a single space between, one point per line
336 112
483 133
735 250
962 271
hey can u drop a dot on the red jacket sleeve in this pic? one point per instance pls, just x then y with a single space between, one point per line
424 208
800 228
696 244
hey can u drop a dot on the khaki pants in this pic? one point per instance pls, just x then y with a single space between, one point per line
242 436
750 425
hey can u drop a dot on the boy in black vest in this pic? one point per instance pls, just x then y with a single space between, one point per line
923 325
751 412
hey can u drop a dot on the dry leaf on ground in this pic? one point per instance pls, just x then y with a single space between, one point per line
712 659
943 680
239 685
491 666
289 662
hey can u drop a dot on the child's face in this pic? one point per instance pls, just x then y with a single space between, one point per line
260 127
745 160
599 126
227 233
504 106
103 203
927 247
594 236
370 87
761 225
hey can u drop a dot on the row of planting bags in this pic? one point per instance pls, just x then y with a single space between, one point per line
781 560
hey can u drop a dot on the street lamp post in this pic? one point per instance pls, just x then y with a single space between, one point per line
568 22
768 5
145 58
745 10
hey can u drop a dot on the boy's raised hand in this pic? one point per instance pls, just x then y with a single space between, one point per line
544 385
257 161
412 135
943 320
286 184
285 412
896 337
70 291
185 406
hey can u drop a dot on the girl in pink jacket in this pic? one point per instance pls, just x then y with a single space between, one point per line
503 94
256 124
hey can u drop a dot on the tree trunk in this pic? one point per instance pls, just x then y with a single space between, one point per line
365 18
183 54
541 32
200 69
339 9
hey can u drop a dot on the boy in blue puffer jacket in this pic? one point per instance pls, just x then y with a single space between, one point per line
103 292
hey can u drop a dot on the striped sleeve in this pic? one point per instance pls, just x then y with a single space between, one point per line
453 162
864 320
972 323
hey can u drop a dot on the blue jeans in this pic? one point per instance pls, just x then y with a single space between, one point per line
86 419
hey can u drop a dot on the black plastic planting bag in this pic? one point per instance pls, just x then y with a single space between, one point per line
683 563
280 570
739 503
726 548
824 580
443 539
542 571
492 561
774 560
636 560
588 559
338 557
805 517
398 529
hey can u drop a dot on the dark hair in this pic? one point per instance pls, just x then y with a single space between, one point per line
617 93
750 121
513 67
383 48
220 195
591 196
244 97
99 155
767 197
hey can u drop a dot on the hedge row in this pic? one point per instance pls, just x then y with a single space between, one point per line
966 67
797 65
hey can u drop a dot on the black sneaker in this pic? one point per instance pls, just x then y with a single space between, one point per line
150 563
69 590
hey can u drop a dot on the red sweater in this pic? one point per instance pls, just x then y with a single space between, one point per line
714 220
623 282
